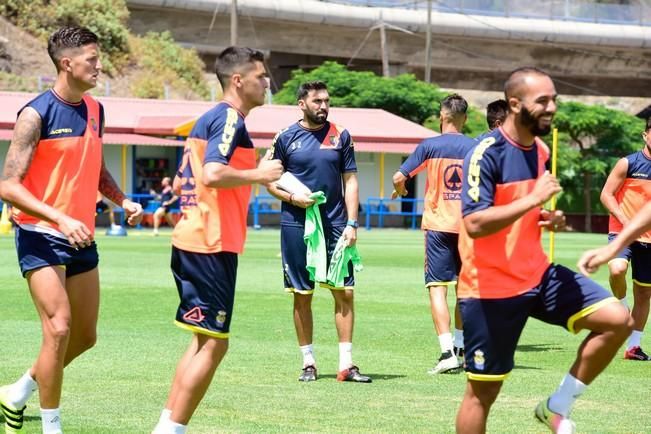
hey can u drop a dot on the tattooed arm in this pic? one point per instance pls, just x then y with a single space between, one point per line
27 133
109 188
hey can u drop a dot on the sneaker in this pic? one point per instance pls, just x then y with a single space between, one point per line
14 417
636 353
448 363
308 374
353 374
459 353
556 422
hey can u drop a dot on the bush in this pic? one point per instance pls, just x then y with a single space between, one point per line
166 63
107 18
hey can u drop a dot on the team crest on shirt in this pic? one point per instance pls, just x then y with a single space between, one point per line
479 360
194 315
221 317
452 181
93 124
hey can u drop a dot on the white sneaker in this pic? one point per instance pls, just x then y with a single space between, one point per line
448 363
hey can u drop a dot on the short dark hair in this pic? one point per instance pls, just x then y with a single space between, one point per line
306 87
648 124
515 79
496 111
233 60
68 37
455 105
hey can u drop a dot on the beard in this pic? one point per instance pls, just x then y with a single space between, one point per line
319 118
533 123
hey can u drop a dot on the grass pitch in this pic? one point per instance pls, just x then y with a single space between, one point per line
121 384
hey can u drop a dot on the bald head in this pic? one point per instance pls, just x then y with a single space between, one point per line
517 83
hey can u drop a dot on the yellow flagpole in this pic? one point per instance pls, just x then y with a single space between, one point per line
553 202
382 174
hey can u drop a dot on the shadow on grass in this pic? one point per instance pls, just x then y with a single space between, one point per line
374 377
539 348
532 368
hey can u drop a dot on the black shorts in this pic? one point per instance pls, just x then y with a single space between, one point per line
492 327
37 250
442 261
206 286
639 255
294 250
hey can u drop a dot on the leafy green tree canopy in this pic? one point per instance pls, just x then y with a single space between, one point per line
403 95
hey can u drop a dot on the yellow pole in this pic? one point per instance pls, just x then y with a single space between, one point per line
553 202
382 174
124 168
5 224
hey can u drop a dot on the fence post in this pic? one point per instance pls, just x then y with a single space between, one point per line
256 217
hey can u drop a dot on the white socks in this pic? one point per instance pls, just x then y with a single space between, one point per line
458 338
21 390
51 421
308 355
635 339
562 400
445 341
345 355
166 426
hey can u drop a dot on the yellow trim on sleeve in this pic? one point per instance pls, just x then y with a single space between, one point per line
587 311
333 288
201 330
451 282
486 377
646 285
299 291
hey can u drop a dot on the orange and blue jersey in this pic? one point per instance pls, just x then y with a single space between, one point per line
65 169
442 156
511 261
317 158
214 219
634 193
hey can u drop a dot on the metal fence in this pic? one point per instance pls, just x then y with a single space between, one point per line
636 12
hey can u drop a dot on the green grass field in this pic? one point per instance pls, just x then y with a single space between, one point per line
121 385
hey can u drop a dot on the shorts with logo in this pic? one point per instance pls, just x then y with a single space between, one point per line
639 255
294 250
206 286
37 250
442 261
492 327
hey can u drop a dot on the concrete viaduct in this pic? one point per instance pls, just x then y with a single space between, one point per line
468 51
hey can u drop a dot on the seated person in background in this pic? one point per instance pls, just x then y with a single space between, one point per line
167 198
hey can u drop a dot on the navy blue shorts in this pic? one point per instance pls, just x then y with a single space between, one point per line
492 327
37 250
294 251
442 261
206 286
639 255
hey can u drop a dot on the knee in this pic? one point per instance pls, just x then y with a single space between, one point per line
58 328
88 340
486 393
618 269
302 302
623 322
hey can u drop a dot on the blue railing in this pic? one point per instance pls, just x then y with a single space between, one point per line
263 204
381 207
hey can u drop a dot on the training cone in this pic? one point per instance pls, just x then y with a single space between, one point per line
5 224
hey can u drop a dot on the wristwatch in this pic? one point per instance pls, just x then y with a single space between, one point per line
352 223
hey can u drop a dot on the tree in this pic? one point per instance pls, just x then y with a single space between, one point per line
597 137
403 95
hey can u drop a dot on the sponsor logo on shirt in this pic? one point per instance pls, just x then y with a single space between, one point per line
60 131
474 170
452 181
